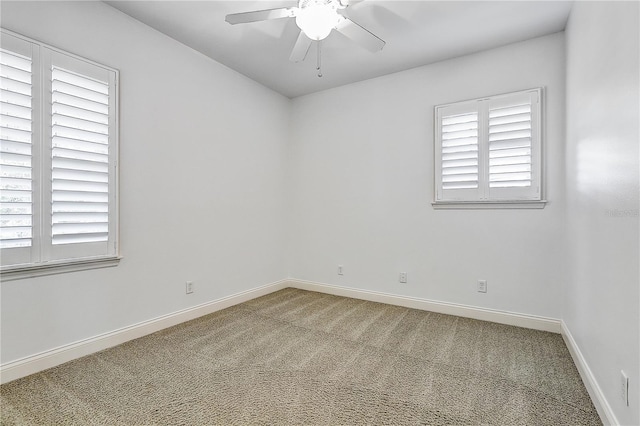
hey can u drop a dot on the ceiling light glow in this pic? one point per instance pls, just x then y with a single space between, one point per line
316 18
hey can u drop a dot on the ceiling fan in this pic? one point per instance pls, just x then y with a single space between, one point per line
316 19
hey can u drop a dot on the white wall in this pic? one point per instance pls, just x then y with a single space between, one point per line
601 306
202 154
362 186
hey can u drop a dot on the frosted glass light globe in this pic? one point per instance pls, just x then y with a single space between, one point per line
317 20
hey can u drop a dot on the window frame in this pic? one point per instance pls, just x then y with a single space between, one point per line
485 197
43 259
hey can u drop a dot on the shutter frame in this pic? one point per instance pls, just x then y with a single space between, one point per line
64 237
25 48
490 130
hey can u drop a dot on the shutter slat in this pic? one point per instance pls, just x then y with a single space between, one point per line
460 118
15 172
13 147
12 73
81 103
511 152
79 145
80 238
472 125
15 184
16 135
79 175
9 196
80 228
82 113
72 164
513 118
15 60
498 177
80 134
459 134
86 207
80 155
80 186
12 98
513 159
80 81
80 217
511 184
15 208
472 141
510 168
80 92
15 86
460 155
80 124
15 233
509 110
509 127
460 170
13 122
80 197
461 148
459 163
11 159
7 244
15 220
12 110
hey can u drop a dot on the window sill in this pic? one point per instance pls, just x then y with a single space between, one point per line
20 272
482 205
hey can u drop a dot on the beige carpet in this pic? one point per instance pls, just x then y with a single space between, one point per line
298 357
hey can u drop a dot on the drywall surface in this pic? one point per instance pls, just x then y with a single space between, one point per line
201 183
601 303
362 184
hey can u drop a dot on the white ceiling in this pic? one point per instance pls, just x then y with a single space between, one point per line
417 33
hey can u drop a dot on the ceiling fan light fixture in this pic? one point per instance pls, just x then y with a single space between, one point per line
316 18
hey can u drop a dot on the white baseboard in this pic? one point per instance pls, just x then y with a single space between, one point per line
501 317
51 358
597 396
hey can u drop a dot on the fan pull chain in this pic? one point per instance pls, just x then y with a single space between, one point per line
319 50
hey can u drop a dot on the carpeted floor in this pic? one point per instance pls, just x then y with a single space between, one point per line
299 357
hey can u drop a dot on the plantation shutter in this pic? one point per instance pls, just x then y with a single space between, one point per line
81 159
513 144
489 150
458 163
17 130
460 151
58 160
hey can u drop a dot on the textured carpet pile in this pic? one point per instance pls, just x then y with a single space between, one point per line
299 357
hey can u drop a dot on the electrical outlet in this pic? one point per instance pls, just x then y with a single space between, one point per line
340 270
403 277
624 388
482 286
189 287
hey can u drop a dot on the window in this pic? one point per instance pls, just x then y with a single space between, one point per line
488 151
58 158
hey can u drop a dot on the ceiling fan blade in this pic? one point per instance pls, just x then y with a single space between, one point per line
261 15
301 48
360 35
